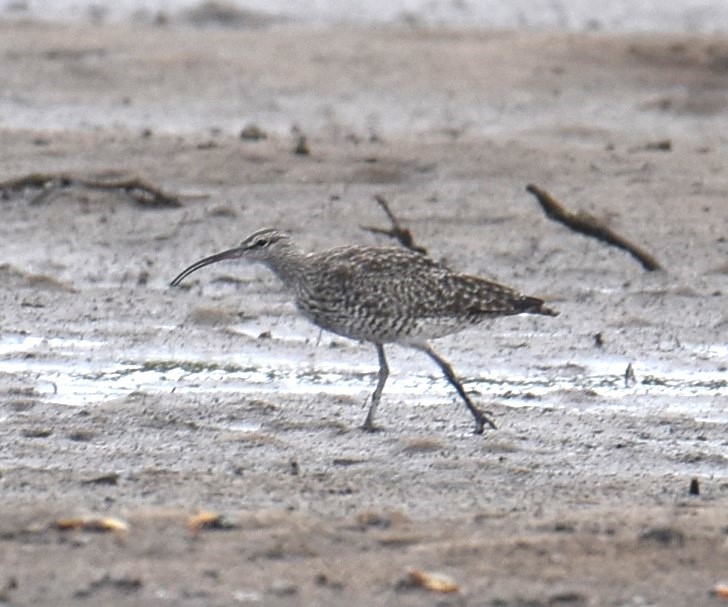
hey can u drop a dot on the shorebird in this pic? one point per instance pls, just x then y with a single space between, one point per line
382 295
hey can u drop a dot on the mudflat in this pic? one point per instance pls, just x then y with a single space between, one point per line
128 408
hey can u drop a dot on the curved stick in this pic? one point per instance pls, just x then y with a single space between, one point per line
591 226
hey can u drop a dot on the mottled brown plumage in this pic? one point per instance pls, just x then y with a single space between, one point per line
382 295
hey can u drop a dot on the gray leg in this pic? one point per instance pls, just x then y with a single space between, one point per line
480 418
383 375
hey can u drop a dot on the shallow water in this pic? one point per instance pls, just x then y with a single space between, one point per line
79 372
647 15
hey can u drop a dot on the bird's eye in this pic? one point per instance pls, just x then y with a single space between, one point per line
260 243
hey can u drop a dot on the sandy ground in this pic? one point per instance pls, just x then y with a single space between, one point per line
124 398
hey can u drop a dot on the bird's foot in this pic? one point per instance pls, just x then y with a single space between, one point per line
370 427
481 419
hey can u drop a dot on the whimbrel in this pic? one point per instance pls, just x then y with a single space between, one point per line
382 295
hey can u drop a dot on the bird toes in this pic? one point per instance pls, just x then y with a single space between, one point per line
371 428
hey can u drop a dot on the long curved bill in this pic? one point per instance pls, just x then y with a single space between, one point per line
229 254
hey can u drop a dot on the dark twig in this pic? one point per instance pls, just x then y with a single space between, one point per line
587 224
138 189
402 235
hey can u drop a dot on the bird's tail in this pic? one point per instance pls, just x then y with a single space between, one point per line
534 305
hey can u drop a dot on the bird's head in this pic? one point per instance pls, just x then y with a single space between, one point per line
267 246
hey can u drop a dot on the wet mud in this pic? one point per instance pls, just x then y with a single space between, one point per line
605 483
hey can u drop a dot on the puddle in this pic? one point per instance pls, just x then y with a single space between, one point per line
243 426
24 344
82 372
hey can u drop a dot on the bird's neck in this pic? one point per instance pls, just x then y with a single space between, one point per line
289 267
